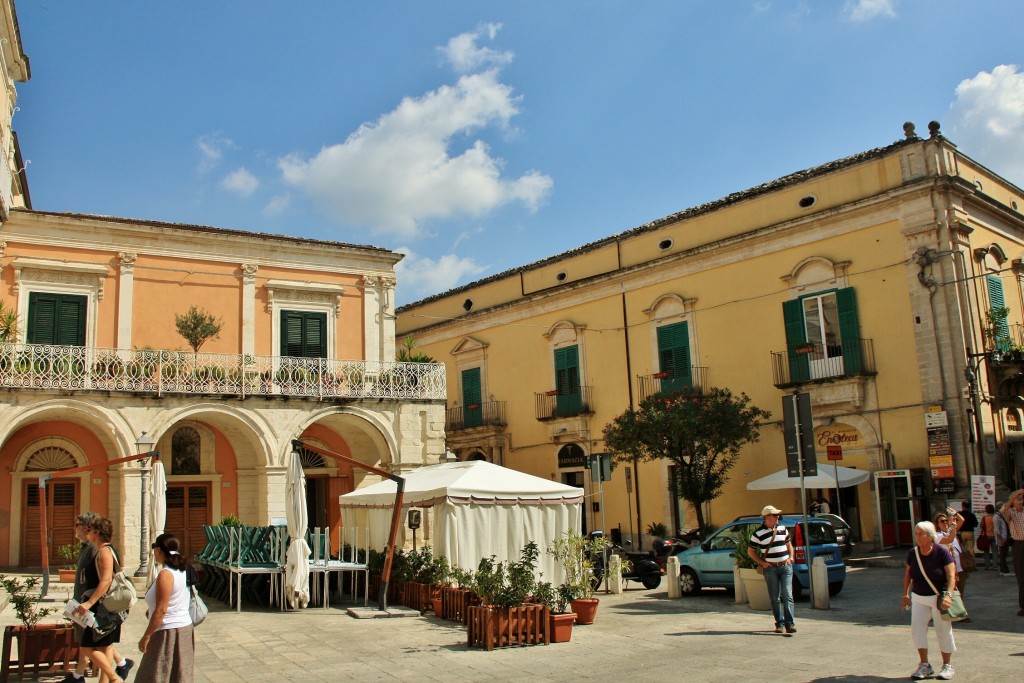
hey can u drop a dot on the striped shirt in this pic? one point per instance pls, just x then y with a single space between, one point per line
1015 520
775 549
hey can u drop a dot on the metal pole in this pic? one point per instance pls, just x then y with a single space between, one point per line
144 527
803 496
839 500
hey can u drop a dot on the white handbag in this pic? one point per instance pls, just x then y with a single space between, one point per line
197 609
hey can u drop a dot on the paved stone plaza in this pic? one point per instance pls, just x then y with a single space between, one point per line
640 636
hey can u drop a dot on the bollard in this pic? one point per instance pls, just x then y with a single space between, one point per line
740 589
615 574
819 584
672 576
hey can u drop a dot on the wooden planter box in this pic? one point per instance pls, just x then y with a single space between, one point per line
417 596
455 603
46 649
490 627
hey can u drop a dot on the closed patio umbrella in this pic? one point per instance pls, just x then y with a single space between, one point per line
296 571
157 511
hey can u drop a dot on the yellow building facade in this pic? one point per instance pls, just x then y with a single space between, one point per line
864 282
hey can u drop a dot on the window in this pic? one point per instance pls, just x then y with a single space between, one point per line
303 334
568 400
823 335
185 451
471 400
674 356
57 319
997 300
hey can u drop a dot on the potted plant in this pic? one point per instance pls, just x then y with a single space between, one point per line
69 552
504 619
576 553
748 578
456 599
42 648
803 348
556 599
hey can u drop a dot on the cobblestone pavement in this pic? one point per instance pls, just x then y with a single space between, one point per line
639 635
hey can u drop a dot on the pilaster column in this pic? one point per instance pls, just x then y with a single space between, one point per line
372 318
249 308
125 297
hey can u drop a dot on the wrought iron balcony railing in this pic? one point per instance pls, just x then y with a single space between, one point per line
821 363
36 366
486 414
649 385
552 404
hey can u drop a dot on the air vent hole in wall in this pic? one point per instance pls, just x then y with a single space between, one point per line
467 305
561 276
1013 203
808 201
664 245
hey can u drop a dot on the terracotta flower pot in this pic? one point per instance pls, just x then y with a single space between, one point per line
561 627
67 575
435 604
585 609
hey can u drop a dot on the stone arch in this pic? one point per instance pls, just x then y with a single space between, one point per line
241 427
564 332
991 256
669 305
817 272
23 461
370 428
109 426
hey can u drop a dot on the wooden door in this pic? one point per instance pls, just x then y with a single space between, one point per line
188 510
61 509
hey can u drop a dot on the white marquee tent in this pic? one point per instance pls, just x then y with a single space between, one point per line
475 509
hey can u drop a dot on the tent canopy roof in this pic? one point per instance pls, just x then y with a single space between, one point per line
825 479
470 482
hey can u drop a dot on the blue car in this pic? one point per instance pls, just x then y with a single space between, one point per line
710 564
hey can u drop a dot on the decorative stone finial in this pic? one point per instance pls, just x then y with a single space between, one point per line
933 129
910 130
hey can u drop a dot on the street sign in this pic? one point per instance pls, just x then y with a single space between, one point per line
796 412
600 466
944 485
834 452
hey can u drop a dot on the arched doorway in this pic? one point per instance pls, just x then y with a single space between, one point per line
62 496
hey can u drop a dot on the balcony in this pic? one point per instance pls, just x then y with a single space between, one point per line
552 405
649 385
486 414
81 368
812 363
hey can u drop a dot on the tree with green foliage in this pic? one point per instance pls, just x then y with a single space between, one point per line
700 432
408 353
197 327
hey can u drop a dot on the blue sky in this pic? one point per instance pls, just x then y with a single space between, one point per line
480 136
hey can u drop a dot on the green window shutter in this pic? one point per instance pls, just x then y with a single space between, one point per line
849 330
567 370
996 299
793 316
472 416
303 334
56 319
674 356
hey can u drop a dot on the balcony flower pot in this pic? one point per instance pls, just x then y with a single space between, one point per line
553 392
804 349
660 375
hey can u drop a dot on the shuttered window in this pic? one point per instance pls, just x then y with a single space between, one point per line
57 319
473 411
303 334
674 356
810 319
996 300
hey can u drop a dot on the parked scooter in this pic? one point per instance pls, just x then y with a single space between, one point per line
666 547
641 565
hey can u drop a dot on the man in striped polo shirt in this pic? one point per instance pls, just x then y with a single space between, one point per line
1013 513
771 547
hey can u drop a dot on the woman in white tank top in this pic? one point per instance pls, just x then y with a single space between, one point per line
168 645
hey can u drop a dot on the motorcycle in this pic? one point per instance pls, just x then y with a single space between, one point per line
664 548
638 565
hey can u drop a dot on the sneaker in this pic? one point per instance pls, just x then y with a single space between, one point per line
947 672
122 671
791 629
778 629
923 671
70 678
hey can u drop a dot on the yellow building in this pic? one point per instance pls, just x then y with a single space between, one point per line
864 282
96 368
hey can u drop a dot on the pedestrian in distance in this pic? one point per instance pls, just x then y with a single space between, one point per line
928 584
987 537
967 528
772 549
87 558
946 524
1013 513
168 645
1003 541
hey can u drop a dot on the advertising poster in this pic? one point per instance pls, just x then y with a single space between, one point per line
983 492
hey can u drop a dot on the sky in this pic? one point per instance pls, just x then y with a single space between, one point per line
475 137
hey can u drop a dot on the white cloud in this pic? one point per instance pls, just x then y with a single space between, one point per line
464 55
277 205
987 120
400 171
211 150
421 276
241 182
863 10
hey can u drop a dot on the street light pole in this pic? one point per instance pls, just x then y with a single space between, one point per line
144 444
